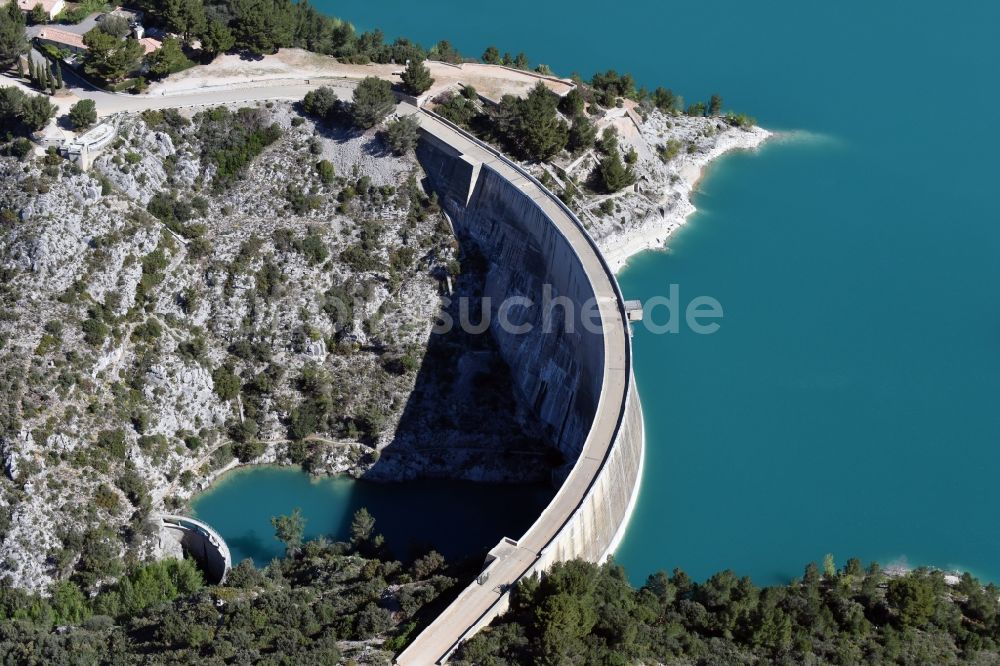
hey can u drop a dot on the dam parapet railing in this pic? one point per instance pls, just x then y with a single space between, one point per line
580 383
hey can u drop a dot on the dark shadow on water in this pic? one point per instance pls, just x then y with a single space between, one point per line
251 545
458 519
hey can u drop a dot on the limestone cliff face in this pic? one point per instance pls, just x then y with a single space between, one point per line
158 326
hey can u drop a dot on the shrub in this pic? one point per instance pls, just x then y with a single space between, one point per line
248 450
301 202
321 102
94 331
456 108
157 582
113 441
669 150
325 170
148 331
401 135
312 247
741 120
225 383
231 141
20 147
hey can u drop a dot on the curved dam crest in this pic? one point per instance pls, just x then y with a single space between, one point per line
577 378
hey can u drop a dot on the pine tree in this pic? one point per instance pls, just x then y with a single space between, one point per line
417 78
715 105
12 39
572 102
613 174
289 529
491 56
373 101
581 134
541 131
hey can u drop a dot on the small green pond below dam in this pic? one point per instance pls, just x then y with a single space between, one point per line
457 518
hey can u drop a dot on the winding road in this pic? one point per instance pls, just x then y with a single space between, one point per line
275 89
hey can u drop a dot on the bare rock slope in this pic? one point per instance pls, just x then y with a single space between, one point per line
173 312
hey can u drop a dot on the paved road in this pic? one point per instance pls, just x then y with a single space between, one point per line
109 103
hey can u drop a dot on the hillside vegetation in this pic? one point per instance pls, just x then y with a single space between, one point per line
581 613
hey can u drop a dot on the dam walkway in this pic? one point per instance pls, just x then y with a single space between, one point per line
486 598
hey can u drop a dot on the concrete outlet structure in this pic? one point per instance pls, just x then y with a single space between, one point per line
201 542
578 380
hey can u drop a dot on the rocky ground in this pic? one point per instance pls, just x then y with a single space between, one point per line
172 313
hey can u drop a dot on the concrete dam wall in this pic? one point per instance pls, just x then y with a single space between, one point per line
576 377
559 371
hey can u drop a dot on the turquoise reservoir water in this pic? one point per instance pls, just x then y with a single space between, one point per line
848 404
459 519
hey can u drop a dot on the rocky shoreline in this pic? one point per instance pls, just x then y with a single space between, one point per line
652 230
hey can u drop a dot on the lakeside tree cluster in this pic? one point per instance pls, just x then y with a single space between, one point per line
527 127
264 26
581 613
320 593
541 125
536 127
